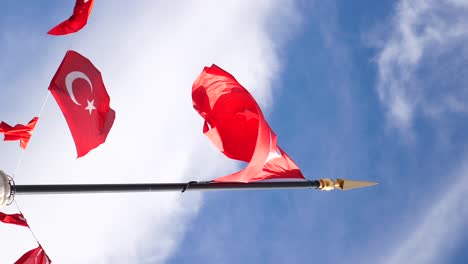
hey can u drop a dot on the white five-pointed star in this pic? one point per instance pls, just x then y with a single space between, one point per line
90 106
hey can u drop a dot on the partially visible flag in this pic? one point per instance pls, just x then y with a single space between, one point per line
235 124
15 219
18 132
80 93
77 21
34 256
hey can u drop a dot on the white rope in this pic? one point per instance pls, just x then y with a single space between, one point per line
44 103
21 157
30 229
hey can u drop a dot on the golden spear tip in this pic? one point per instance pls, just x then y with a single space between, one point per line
329 184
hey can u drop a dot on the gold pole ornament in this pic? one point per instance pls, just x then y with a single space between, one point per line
329 184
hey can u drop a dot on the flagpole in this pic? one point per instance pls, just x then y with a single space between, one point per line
158 187
8 188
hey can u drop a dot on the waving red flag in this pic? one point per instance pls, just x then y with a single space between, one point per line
235 124
34 256
15 219
77 21
18 132
80 92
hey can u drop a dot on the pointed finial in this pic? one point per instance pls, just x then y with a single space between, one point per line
329 184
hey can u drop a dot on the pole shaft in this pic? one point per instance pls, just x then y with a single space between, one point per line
157 187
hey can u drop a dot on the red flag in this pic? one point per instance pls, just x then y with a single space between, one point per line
34 256
18 132
15 219
77 21
80 92
235 124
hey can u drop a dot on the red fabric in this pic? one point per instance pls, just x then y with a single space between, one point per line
15 219
235 124
18 132
80 92
77 21
34 256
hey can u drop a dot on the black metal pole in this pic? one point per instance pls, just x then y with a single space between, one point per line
157 187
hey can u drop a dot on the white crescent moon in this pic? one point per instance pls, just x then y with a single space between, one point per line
69 83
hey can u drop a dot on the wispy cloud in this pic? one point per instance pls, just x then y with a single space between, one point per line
149 53
422 65
422 69
434 235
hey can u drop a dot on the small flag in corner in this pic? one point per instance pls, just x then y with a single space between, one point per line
34 256
77 21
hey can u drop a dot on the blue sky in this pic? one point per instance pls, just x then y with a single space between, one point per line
370 90
328 115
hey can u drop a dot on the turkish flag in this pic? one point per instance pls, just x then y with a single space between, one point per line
235 124
81 95
15 219
77 21
34 256
19 132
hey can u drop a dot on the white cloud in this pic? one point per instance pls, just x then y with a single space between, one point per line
422 63
149 53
